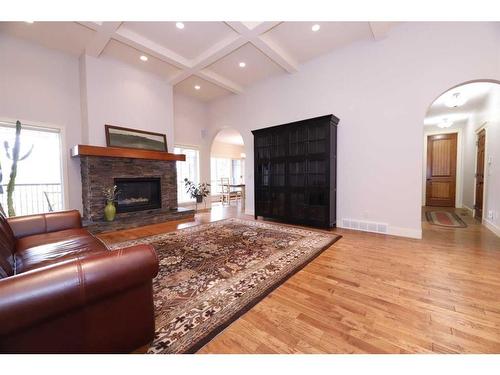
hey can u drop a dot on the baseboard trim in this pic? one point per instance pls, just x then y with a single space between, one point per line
405 232
495 229
391 231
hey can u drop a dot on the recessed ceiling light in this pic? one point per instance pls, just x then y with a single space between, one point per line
445 123
144 58
315 27
242 64
179 25
197 87
29 21
456 100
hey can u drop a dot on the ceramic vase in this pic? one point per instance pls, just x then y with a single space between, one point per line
110 211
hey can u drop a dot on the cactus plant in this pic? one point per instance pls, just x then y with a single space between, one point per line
13 171
2 212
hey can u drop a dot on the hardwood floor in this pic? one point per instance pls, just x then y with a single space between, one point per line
372 293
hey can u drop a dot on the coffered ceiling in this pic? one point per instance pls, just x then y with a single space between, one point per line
218 58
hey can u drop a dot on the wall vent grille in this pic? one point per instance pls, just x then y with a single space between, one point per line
365 226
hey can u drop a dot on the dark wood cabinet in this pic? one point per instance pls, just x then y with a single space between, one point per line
296 171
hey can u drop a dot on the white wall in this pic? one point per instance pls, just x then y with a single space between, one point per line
39 85
381 92
191 118
119 94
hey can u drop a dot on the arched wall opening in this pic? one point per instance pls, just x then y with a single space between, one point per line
461 150
227 168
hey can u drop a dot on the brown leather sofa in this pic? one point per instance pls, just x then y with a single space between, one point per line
63 291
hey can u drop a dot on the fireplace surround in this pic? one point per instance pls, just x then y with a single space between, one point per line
148 187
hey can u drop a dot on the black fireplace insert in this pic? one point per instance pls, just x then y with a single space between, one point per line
138 194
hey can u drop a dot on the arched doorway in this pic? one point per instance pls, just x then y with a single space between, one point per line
227 169
461 143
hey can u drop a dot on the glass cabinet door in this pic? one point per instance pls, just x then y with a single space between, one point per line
297 173
317 138
297 141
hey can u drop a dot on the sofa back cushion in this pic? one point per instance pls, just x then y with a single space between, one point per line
29 225
7 248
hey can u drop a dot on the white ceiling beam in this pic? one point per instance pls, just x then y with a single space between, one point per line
264 27
90 24
219 81
102 36
149 47
238 26
181 76
380 30
257 37
218 51
142 44
213 54
242 29
275 53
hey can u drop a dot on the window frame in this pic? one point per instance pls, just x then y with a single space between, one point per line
63 160
215 183
232 178
194 148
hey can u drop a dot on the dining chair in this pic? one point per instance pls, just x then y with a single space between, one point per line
225 190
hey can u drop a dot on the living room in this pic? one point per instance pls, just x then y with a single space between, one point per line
214 186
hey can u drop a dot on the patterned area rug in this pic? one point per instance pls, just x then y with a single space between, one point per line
445 219
213 273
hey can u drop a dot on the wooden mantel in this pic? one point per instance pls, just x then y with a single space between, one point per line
118 152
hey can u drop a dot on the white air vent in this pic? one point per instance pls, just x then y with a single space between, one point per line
365 226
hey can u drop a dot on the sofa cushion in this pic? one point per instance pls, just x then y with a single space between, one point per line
7 248
43 249
30 225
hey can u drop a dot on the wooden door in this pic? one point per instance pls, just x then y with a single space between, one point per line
441 170
478 204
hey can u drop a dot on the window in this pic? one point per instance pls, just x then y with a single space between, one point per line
237 171
220 168
38 185
186 169
233 169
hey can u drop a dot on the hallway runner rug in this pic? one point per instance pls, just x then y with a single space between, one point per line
445 219
211 274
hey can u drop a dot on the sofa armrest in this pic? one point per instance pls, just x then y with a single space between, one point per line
29 225
48 292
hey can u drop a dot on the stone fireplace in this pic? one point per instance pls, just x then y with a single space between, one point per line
148 188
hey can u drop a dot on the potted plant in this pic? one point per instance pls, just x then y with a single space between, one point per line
197 191
110 193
